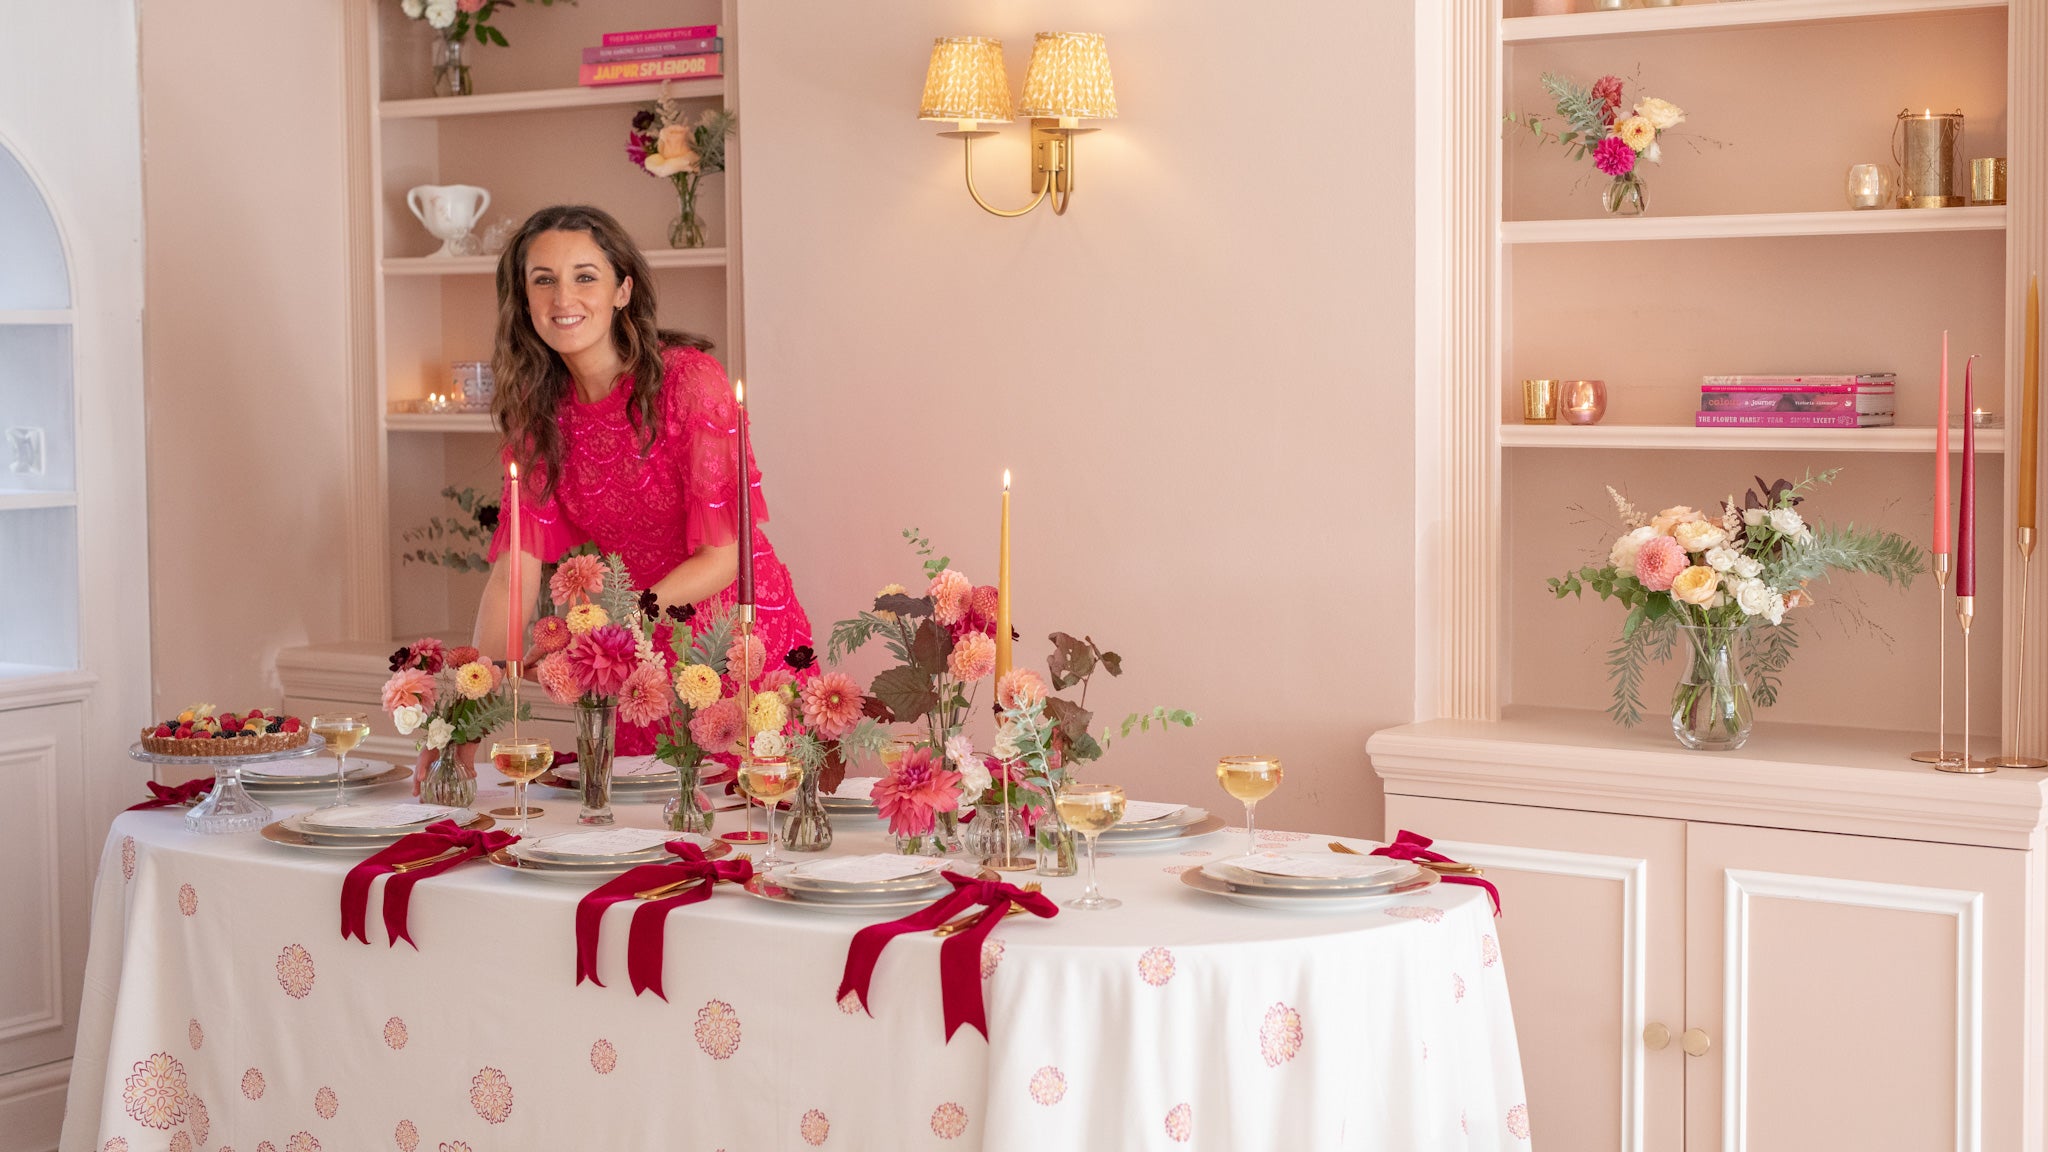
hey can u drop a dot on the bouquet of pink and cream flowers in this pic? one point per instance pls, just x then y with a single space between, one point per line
446 695
599 646
1594 126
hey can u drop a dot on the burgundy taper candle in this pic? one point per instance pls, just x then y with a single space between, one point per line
746 501
1966 514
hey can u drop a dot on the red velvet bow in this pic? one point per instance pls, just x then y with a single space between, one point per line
1409 846
172 795
959 956
644 938
442 836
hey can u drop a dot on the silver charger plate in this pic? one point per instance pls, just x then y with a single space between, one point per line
306 825
590 874
370 773
278 833
1174 838
1310 902
1164 828
791 876
536 849
1394 875
763 887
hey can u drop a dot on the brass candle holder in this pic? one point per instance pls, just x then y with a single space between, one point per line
1928 158
1939 753
2017 759
1962 761
745 696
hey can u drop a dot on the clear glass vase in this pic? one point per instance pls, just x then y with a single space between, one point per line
1056 853
687 229
451 72
685 811
448 783
807 827
1626 196
1711 709
597 731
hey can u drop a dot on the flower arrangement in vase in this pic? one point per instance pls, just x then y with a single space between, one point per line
445 698
1619 145
455 21
667 141
1707 580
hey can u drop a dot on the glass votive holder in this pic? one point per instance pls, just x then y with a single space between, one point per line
1539 401
1582 401
1870 186
472 383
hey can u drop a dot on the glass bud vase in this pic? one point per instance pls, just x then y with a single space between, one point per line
1625 196
1056 853
807 827
448 783
1711 709
685 811
597 731
687 229
451 72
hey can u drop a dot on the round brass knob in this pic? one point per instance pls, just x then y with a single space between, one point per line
1656 1037
1695 1042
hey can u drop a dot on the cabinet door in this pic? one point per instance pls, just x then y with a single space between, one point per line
1842 982
1591 933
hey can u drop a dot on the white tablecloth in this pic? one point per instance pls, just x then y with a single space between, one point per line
223 1010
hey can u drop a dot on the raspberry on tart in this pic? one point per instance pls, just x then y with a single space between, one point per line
199 731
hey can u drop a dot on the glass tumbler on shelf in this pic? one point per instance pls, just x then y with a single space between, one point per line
1091 810
1539 401
1870 186
520 761
342 731
1250 779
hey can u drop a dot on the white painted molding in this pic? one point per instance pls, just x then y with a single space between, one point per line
2025 715
366 610
1647 21
1686 438
39 757
56 687
1633 874
1741 886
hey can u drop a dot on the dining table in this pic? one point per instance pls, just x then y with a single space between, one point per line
223 1009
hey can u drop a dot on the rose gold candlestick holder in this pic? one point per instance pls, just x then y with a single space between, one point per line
1003 856
2017 759
1962 761
1939 752
745 696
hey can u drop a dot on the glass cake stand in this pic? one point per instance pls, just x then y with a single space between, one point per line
229 807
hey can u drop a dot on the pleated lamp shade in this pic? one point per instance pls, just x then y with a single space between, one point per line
1069 78
965 81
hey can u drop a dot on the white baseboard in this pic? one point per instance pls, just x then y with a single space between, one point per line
32 1107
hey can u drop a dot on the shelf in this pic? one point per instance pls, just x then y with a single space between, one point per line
488 265
20 501
1687 438
1843 223
547 99
439 422
1695 17
36 316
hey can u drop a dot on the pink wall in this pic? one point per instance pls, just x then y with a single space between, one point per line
244 342
1201 375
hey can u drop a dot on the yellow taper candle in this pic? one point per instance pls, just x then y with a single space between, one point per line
2029 478
1003 588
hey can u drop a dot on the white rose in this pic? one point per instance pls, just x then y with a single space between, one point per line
974 777
1721 558
1748 567
1752 516
1787 521
1776 613
1661 114
440 13
408 718
412 8
438 733
1654 153
1623 555
959 749
1754 596
769 745
1005 748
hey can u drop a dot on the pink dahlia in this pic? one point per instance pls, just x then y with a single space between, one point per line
1607 90
974 656
1614 157
578 579
716 726
950 592
467 654
746 663
643 699
831 704
1020 688
429 654
409 688
775 680
551 633
981 608
602 658
912 795
557 679
1660 562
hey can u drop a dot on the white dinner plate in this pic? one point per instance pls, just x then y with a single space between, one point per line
1394 874
543 849
1164 828
1311 903
762 887
366 836
591 875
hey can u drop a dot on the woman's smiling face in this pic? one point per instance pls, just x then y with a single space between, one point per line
572 291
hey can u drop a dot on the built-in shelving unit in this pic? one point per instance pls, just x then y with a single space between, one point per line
1752 225
486 265
1695 17
1685 438
544 100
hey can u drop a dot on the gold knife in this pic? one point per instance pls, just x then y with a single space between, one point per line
1443 867
959 924
409 865
668 889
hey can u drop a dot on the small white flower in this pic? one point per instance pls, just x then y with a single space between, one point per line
1722 558
1661 114
1776 613
408 718
1748 567
1005 748
1787 521
1752 516
974 776
1654 153
770 745
440 13
959 749
412 8
438 733
1623 555
1754 596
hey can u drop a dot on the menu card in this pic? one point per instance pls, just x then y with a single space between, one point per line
867 869
378 815
610 842
1139 811
1330 867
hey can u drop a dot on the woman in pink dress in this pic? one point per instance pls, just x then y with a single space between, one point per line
626 436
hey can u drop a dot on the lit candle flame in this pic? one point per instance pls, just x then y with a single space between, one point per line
1006 479
514 469
739 391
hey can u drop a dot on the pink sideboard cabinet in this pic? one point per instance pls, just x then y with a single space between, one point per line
1810 943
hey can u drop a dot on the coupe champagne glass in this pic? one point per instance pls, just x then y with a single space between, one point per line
519 761
1091 810
342 731
770 780
1250 779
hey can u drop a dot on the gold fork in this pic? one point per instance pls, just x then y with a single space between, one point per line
1445 867
409 865
668 889
952 926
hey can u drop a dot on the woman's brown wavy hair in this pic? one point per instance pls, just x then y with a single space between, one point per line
532 380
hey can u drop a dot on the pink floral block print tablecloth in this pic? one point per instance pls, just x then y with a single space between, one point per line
223 1010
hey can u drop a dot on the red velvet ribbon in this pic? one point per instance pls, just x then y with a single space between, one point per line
644 939
1409 846
959 956
440 836
172 795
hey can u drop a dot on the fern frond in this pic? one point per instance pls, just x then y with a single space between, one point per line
1765 658
1625 661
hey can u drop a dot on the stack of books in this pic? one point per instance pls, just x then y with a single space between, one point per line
653 54
1857 401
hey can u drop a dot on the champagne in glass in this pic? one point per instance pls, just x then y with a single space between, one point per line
342 731
1250 779
1091 810
769 781
520 761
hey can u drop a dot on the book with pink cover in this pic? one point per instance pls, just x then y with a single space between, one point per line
1792 420
649 71
1806 383
652 49
647 35
1875 401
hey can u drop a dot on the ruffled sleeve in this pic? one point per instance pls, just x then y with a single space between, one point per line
544 528
700 399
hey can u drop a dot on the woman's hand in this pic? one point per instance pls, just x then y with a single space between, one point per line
465 758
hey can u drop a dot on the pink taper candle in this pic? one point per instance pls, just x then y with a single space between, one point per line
1941 457
1966 513
515 624
746 501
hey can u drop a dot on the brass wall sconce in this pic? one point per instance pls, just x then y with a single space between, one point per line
1067 81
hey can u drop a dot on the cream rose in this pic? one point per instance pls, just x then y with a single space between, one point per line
1661 114
438 733
1698 535
661 165
1696 585
1623 555
1748 567
1671 518
408 718
770 745
673 141
1722 558
974 777
1787 521
1753 596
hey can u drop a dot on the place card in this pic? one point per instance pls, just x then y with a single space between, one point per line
378 815
856 788
610 842
868 869
1331 867
1140 811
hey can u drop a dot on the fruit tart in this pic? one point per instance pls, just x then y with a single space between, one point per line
200 731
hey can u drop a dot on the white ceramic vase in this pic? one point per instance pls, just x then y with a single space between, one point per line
448 212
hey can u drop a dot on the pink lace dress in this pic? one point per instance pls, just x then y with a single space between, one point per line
659 509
